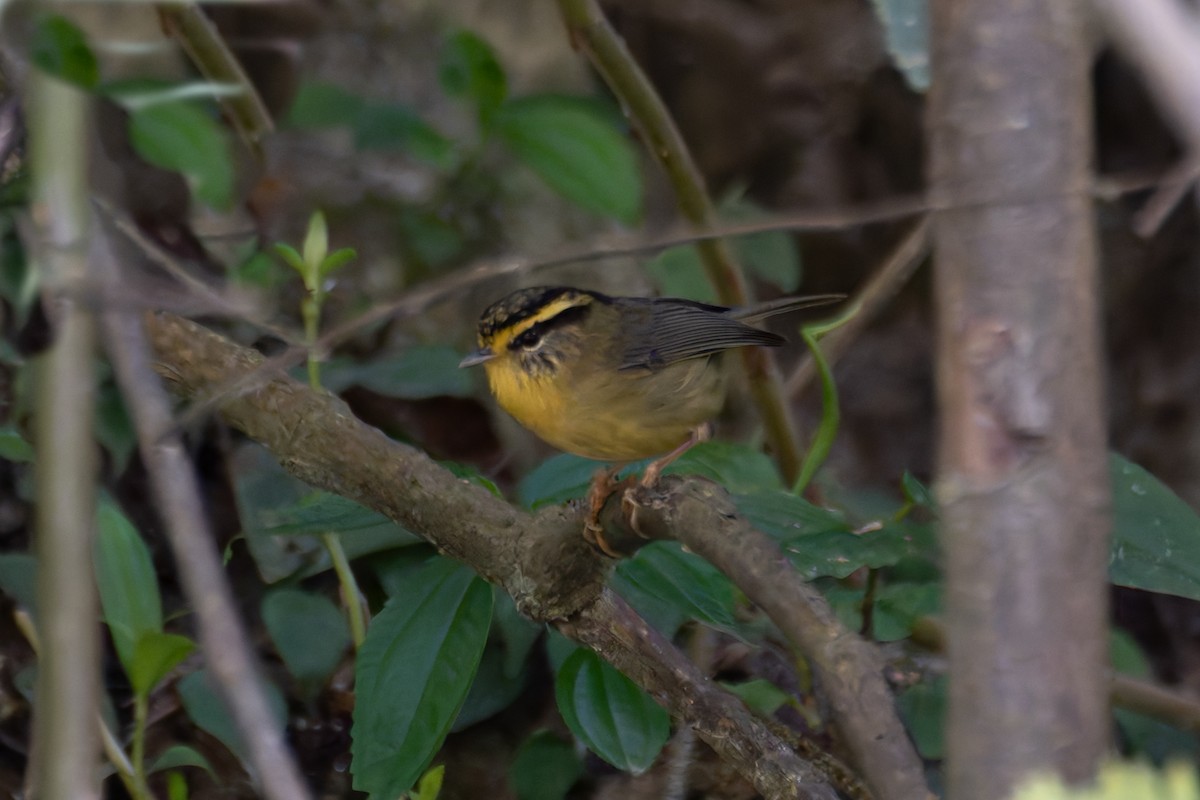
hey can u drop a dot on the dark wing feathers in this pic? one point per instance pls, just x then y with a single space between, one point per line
680 330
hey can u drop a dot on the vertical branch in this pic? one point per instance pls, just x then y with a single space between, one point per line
1022 477
590 30
177 497
68 670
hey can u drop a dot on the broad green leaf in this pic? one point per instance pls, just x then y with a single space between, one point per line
906 30
323 105
281 516
18 579
177 756
155 655
13 446
737 467
577 151
517 634
127 583
379 126
413 673
1156 536
923 708
760 695
61 49
546 767
678 272
609 713
558 649
309 633
492 690
207 710
899 605
663 574
556 480
419 372
180 136
819 542
470 71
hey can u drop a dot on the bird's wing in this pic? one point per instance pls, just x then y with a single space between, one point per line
680 329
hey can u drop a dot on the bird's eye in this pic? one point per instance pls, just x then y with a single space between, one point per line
527 340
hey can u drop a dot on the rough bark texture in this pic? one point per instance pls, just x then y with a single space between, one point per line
1022 477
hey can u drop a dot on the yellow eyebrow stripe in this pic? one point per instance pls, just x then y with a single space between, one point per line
546 312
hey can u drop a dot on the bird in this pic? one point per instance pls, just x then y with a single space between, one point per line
616 379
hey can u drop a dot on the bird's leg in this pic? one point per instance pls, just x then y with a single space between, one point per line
655 468
604 484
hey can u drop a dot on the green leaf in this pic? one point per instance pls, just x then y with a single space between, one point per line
336 260
923 708
291 257
666 583
906 29
418 373
819 542
1156 536
113 427
678 272
206 709
178 756
469 70
430 785
546 767
309 633
413 673
61 49
177 788
737 467
916 492
155 655
395 127
127 583
899 605
18 579
577 151
771 255
13 446
760 695
556 480
609 713
517 633
492 690
323 105
180 136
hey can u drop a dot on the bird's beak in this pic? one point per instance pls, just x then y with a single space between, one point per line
478 357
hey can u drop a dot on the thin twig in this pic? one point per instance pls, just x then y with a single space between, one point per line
177 496
212 56
1171 190
879 290
591 31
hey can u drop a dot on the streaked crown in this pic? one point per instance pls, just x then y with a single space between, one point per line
520 320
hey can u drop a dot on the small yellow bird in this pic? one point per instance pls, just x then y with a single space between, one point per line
616 378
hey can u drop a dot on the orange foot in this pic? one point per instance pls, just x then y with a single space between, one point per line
604 485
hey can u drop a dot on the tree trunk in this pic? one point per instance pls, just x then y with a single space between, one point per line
1022 482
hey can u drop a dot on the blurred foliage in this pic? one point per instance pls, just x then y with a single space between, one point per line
445 652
